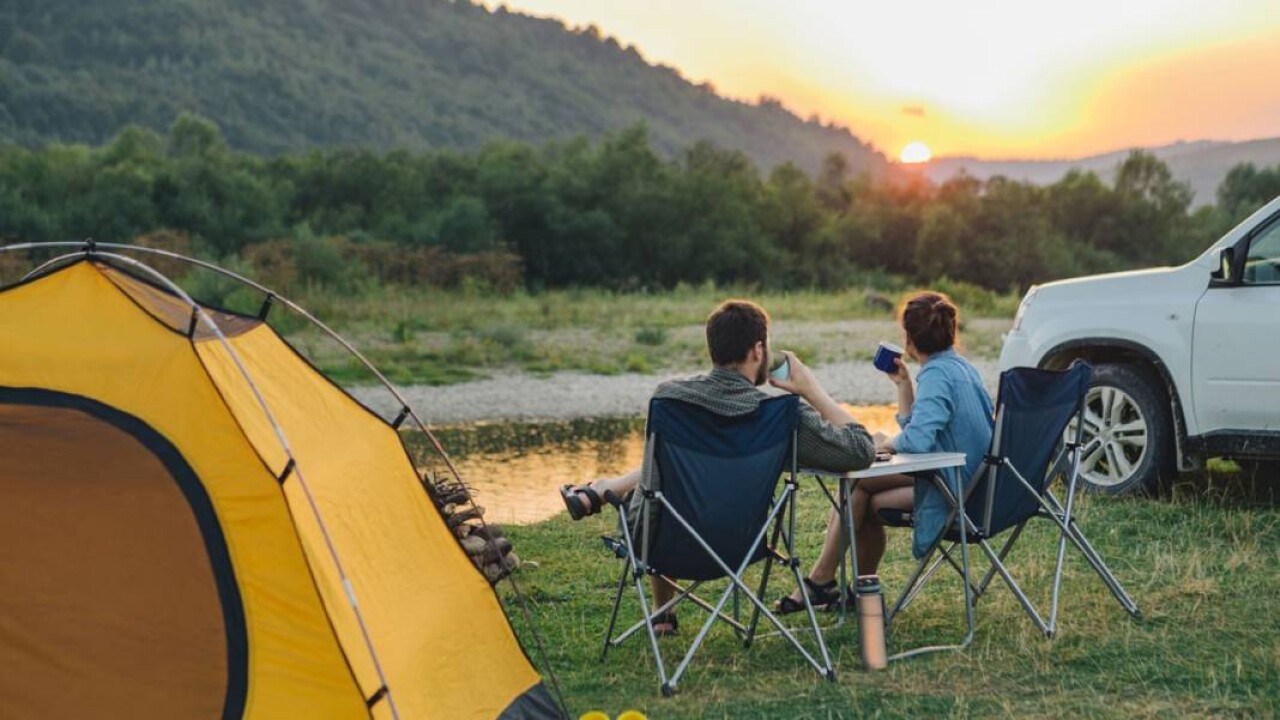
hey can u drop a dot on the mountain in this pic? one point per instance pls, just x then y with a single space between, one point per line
284 75
1203 164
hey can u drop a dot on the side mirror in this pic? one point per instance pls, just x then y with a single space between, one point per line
1224 275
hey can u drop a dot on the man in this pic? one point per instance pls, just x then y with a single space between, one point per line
828 437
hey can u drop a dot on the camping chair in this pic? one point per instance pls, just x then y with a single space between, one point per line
1033 412
708 519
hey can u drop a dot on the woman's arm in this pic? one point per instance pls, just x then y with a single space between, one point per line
906 399
929 414
906 393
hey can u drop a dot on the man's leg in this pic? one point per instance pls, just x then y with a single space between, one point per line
582 503
662 594
620 485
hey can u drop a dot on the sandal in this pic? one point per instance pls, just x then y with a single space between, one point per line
820 596
578 508
665 624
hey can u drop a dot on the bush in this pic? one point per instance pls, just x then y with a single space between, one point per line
637 363
211 288
508 337
327 263
652 336
273 265
174 242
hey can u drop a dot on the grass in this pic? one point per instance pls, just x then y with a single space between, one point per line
432 336
1201 561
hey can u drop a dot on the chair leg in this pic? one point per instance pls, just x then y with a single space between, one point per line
681 595
1015 588
970 623
613 617
789 540
923 570
633 565
1004 552
916 583
653 637
1067 524
1099 566
700 637
735 579
826 669
764 583
736 584
946 555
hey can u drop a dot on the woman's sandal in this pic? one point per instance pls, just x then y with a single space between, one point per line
820 596
578 508
666 624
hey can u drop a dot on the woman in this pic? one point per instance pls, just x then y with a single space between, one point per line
948 411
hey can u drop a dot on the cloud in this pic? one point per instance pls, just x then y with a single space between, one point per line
913 111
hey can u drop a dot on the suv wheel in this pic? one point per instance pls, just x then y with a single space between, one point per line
1127 439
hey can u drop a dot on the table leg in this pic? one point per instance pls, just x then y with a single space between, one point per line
840 510
846 502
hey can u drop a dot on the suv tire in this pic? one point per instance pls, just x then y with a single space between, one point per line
1128 437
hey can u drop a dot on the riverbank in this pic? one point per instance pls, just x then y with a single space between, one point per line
516 395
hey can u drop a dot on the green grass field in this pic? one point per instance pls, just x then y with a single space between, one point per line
430 336
1202 563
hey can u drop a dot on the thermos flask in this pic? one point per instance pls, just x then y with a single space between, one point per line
870 602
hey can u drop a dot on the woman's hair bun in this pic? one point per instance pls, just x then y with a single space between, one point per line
930 320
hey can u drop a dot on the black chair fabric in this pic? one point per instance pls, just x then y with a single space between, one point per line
719 473
1037 407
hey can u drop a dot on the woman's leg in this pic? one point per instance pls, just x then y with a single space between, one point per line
871 535
835 542
871 538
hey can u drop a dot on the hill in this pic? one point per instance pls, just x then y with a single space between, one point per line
1203 164
285 75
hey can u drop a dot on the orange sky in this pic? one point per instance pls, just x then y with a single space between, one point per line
994 78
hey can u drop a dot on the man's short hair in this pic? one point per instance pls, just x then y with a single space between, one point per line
733 329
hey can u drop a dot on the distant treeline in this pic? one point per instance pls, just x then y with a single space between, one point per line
612 214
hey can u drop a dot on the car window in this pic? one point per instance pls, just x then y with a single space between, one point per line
1262 266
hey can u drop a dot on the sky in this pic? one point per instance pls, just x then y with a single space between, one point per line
992 78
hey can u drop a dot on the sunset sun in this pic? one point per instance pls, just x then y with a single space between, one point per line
915 152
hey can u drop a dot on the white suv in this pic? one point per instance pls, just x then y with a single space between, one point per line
1186 359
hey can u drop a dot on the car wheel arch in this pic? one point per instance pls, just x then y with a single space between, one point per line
1100 350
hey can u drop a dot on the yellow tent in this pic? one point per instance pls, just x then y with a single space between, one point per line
195 523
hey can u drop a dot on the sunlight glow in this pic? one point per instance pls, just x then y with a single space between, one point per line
999 78
915 152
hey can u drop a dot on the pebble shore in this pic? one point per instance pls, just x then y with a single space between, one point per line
567 395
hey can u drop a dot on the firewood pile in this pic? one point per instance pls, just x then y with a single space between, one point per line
485 544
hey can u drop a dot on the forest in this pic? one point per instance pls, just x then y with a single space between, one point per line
613 214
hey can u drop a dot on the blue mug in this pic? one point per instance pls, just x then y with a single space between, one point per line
886 353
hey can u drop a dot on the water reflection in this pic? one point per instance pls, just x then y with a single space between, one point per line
514 468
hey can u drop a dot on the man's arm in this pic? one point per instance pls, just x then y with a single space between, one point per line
830 439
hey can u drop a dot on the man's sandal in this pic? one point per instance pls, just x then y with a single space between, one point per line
820 596
665 624
578 507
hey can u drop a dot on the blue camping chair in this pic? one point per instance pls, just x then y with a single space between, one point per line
1035 411
717 499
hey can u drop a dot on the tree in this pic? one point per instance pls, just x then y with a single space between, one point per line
1153 208
1245 189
